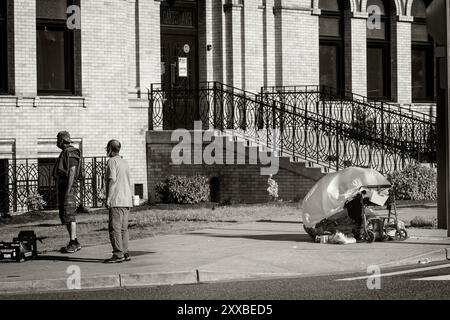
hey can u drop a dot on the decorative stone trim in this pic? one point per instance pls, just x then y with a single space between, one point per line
7 148
136 103
229 6
43 101
360 15
405 18
46 147
305 10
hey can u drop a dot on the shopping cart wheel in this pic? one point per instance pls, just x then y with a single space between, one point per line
370 236
401 235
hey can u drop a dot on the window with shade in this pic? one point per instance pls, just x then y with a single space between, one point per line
378 53
422 56
3 49
55 48
331 31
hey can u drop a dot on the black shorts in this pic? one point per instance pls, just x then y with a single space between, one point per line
67 212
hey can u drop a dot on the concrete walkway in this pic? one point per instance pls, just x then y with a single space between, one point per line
273 248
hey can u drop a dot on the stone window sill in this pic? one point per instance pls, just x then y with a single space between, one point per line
43 101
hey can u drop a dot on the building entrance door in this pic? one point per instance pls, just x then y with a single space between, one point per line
179 64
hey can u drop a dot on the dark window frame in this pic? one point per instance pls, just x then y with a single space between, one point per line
337 42
385 46
4 47
69 53
428 48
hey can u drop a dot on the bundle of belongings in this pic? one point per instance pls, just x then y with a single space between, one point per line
333 209
341 228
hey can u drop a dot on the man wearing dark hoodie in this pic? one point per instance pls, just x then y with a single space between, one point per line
65 173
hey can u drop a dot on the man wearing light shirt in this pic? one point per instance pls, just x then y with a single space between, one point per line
118 201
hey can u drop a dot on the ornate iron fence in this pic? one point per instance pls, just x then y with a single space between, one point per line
392 123
316 127
20 179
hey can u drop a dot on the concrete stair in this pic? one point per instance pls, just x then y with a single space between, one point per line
254 152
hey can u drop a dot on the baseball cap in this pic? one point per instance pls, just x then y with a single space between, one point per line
65 136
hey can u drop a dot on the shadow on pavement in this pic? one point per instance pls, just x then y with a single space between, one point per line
279 221
71 259
89 260
263 237
49 225
421 243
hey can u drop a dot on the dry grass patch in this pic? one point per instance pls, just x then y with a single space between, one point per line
92 229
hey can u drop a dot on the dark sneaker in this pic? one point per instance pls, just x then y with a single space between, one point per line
114 259
70 248
127 257
77 245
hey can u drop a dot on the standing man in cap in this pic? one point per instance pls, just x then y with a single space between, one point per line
119 202
66 172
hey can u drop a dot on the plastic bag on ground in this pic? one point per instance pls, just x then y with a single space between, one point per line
340 238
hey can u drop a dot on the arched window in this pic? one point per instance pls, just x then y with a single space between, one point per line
378 50
3 49
422 57
331 50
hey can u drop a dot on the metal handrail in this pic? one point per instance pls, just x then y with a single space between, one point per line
347 95
304 133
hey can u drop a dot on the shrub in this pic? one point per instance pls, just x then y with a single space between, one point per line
184 190
414 182
421 222
35 202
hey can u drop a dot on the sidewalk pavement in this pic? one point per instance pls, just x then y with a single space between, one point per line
264 249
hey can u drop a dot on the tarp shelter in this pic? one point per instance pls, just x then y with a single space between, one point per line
329 195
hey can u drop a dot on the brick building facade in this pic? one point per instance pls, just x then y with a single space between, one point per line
120 50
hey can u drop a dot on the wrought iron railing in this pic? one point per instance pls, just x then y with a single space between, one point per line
22 178
314 128
390 122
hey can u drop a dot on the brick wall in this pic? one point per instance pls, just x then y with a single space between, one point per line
120 54
10 41
269 44
393 54
238 182
359 56
404 89
253 56
104 110
218 41
25 70
347 47
132 56
234 46
297 44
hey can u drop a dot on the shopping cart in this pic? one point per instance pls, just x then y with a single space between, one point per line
378 227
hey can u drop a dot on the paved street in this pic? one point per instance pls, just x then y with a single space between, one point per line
261 250
428 281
